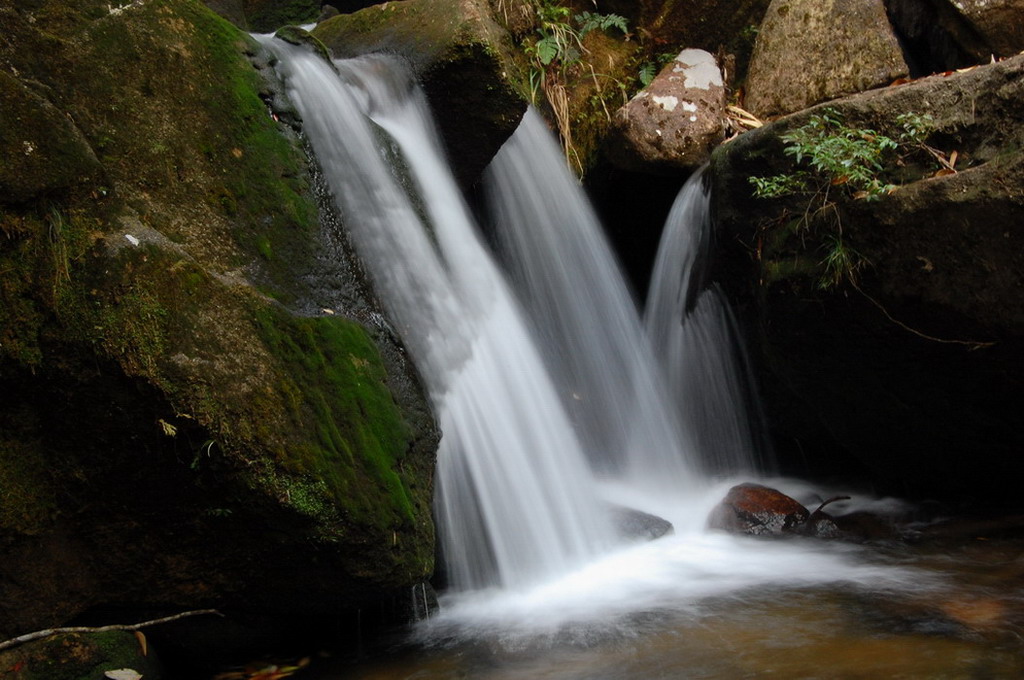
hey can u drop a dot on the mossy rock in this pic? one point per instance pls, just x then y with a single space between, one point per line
182 425
44 153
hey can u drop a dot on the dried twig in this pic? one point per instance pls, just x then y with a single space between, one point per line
39 634
973 344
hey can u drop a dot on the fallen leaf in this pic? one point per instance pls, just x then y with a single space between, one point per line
952 159
123 674
944 172
142 642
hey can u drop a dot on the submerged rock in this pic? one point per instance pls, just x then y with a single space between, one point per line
674 122
809 51
631 523
759 511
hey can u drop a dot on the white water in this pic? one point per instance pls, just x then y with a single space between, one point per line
516 503
527 544
584 316
693 334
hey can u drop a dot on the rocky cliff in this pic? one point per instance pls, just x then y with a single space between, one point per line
201 405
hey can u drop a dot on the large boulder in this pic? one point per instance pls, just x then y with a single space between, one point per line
266 16
674 122
182 425
463 58
810 51
913 369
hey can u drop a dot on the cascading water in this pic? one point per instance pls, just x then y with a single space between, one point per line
518 506
516 503
584 315
694 337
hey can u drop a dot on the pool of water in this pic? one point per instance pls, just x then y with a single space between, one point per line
946 603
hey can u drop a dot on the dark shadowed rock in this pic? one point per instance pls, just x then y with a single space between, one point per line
712 25
935 36
759 511
810 51
999 22
915 373
674 122
635 524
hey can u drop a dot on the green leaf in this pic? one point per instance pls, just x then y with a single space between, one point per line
547 50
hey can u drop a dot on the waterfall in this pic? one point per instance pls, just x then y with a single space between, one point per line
696 342
585 318
516 502
549 394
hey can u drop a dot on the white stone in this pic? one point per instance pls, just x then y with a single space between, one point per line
700 69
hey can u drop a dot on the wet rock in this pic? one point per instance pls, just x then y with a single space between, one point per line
463 58
809 51
631 523
264 16
676 121
298 36
821 525
757 510
865 526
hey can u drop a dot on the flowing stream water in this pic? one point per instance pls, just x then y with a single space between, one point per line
556 402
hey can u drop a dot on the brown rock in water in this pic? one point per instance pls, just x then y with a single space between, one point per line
674 122
757 510
810 51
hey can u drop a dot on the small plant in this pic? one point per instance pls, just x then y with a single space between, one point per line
556 51
837 155
831 155
650 68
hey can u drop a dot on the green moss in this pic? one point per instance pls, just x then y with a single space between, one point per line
36 260
27 497
336 391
